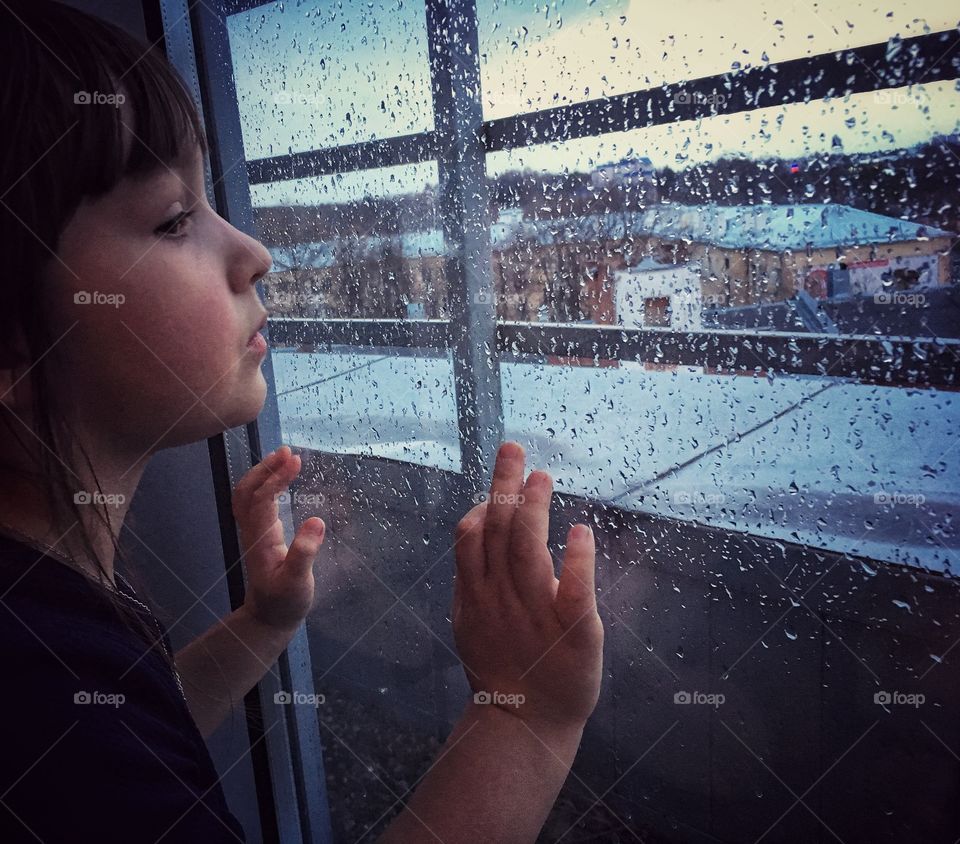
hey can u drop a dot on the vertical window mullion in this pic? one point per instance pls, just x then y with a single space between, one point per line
464 208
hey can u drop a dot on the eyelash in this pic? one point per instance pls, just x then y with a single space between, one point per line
167 228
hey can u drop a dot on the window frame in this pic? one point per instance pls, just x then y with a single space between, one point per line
290 783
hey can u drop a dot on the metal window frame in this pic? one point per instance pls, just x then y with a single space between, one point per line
464 210
890 361
285 743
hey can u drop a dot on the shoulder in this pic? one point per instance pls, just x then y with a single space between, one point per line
91 715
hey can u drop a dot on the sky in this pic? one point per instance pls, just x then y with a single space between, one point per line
312 75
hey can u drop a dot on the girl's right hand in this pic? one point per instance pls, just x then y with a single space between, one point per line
530 644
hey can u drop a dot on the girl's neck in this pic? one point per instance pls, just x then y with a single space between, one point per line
27 507
25 513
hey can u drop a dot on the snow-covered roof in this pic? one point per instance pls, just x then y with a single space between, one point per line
825 467
781 227
649 265
775 228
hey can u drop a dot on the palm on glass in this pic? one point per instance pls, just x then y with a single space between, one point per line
280 581
519 630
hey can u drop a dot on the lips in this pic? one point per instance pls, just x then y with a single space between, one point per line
259 327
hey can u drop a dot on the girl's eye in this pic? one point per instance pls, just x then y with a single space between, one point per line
174 227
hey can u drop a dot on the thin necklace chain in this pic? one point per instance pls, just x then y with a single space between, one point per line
72 562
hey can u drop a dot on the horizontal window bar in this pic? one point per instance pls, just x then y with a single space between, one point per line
925 58
404 149
234 7
881 360
874 67
426 334
896 361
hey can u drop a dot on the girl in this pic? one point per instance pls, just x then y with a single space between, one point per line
128 325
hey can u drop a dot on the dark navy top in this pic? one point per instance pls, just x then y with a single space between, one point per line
98 743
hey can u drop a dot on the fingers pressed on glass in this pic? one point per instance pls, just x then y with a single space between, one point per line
576 594
469 552
531 564
501 506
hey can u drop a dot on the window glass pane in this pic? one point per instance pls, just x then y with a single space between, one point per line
365 244
376 427
376 402
361 245
311 76
831 217
537 55
798 459
380 642
774 550
835 215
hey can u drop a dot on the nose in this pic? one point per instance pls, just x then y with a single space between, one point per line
250 260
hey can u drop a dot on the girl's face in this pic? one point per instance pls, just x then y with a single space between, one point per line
153 296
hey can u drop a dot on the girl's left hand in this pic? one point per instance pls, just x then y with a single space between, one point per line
280 582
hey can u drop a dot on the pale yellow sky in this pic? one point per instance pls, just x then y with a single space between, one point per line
369 62
624 48
869 122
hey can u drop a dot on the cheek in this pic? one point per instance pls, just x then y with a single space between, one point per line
195 335
172 337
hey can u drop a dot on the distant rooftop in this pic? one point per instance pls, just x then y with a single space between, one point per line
651 264
774 228
780 227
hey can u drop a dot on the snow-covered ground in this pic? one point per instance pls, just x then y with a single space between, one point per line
868 470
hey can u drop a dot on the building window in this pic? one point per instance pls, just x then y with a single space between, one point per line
656 311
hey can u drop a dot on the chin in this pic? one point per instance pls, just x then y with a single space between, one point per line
240 407
244 407
254 398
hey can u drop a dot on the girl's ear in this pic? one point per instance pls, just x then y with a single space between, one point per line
14 351
15 389
15 380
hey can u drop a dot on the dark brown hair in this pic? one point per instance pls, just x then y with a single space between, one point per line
59 149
